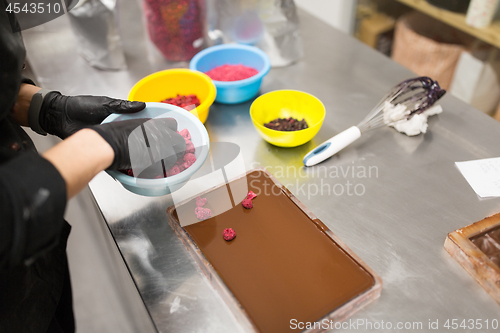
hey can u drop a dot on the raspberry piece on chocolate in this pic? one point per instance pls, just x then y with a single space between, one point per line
200 202
228 234
251 195
203 213
247 203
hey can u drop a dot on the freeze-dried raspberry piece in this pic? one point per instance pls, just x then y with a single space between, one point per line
229 72
185 134
200 202
247 203
189 147
189 160
172 172
228 234
180 165
127 172
184 101
251 195
203 213
183 163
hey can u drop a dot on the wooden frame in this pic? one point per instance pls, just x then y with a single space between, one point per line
459 246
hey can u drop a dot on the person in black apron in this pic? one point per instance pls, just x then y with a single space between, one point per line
35 289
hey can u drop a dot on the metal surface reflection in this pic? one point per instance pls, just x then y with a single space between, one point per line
412 194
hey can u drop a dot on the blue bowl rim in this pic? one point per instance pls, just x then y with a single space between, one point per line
172 180
223 84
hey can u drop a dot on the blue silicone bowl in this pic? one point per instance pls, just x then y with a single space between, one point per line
199 137
232 92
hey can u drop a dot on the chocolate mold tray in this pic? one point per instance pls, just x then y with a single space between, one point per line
467 247
284 267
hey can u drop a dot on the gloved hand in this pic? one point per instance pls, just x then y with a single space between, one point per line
135 150
64 115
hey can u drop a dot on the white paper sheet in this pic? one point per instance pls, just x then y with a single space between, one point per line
483 176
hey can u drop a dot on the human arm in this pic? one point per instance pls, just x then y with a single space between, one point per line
65 115
20 110
79 158
34 189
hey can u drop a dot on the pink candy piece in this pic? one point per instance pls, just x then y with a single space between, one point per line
203 213
247 203
251 195
228 234
200 202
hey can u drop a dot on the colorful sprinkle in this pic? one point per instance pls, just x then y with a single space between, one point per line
175 27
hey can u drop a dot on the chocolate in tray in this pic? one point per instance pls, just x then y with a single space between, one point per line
284 264
477 248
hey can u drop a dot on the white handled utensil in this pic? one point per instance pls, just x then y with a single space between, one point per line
405 100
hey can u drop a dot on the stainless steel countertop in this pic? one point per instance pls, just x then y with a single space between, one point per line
414 196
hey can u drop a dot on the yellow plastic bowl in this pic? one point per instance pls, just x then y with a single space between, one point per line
168 83
284 104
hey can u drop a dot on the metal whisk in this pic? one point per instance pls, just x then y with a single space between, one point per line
403 101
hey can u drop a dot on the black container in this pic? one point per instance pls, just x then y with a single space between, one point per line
458 6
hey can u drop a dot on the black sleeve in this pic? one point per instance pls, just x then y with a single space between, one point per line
32 204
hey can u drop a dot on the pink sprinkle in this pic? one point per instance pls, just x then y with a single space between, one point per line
228 234
247 203
231 72
200 202
203 213
251 195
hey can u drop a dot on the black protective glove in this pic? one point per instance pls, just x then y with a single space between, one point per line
64 115
134 150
